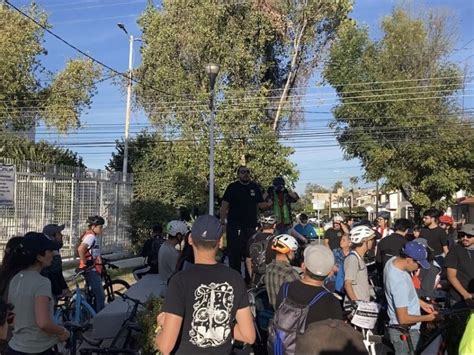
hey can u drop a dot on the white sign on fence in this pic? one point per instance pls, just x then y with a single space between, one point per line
318 205
7 185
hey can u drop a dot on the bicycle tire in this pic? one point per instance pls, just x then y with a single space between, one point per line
118 286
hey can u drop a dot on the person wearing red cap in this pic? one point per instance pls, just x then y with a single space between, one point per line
446 222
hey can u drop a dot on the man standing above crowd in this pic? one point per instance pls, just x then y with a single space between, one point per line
206 306
402 299
281 199
239 211
434 234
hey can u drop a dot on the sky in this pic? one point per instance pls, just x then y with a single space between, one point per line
91 25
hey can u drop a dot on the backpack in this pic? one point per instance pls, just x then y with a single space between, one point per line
257 251
288 323
152 255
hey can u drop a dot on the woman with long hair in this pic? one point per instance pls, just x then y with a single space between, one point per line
9 267
89 254
30 294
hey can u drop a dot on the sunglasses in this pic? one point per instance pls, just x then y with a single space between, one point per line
244 172
464 235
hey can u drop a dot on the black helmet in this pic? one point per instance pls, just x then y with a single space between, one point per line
278 181
95 221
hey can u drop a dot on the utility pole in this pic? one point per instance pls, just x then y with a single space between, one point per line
129 100
377 198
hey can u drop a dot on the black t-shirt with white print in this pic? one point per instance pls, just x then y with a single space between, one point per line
207 297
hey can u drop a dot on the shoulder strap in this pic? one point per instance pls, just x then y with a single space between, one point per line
285 289
317 298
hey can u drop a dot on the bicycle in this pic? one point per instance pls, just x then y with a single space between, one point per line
366 318
448 317
77 337
128 328
75 308
112 287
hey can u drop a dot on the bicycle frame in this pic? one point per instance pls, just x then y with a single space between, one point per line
79 301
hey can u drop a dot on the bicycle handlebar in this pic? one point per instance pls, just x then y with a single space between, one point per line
125 297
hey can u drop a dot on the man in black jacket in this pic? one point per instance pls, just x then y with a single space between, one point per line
55 272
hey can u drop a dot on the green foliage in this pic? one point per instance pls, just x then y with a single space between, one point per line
21 149
137 146
305 203
28 91
401 119
147 321
337 185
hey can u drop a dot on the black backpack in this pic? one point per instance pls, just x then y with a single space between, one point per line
288 323
257 251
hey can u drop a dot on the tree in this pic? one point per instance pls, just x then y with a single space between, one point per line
337 185
28 92
137 147
19 149
398 112
305 203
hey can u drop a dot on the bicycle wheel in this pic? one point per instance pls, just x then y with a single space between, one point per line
114 288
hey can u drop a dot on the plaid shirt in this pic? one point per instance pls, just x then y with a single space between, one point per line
276 274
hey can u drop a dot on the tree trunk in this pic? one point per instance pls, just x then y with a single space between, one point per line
289 79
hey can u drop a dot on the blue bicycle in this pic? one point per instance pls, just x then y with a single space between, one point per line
76 308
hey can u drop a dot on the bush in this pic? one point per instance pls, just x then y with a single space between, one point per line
147 321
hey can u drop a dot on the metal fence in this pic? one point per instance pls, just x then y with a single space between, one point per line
67 195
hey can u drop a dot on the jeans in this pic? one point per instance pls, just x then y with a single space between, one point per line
237 239
95 283
401 346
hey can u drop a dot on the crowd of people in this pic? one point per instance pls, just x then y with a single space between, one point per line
206 272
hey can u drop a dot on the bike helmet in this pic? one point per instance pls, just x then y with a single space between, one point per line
337 219
284 243
175 227
361 234
268 219
95 221
446 219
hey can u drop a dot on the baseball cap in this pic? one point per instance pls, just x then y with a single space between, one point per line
206 227
330 336
417 252
468 229
318 259
36 243
423 242
51 229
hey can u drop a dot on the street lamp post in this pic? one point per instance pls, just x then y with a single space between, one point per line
212 70
129 99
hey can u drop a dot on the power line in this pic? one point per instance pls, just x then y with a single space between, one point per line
78 49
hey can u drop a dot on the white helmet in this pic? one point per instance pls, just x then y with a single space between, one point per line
268 219
360 234
284 243
337 219
175 227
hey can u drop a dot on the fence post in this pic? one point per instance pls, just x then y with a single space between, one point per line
116 213
71 221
